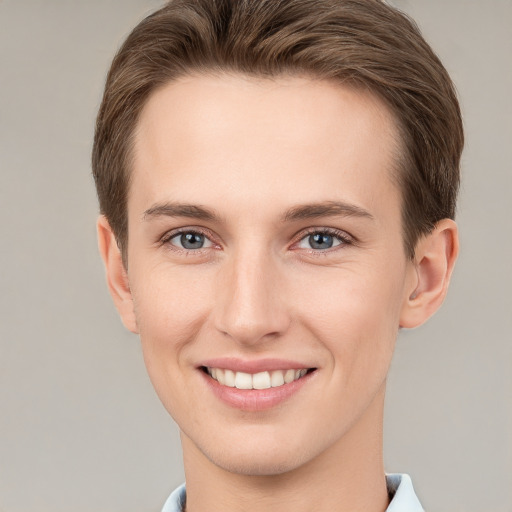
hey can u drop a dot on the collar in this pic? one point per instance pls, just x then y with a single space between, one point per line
400 489
401 492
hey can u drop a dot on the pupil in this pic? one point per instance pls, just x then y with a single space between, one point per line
320 241
192 240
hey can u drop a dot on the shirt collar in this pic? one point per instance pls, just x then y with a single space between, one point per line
400 489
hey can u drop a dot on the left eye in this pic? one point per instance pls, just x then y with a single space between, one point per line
320 241
190 240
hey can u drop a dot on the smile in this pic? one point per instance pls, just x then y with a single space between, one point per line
260 380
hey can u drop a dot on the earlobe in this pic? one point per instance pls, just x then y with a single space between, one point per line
117 278
435 258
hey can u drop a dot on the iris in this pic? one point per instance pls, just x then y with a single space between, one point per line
192 240
321 241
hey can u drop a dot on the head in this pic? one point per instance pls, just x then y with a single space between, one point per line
277 182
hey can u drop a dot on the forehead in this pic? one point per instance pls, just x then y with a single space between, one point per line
247 141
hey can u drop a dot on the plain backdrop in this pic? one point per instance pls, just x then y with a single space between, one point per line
80 426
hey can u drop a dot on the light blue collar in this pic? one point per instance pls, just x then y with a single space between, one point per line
399 487
404 498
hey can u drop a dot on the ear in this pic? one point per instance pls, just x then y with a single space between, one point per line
434 260
117 278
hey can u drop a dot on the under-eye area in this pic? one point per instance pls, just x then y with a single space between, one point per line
260 380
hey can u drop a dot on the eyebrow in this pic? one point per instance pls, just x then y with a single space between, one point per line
300 212
180 210
325 209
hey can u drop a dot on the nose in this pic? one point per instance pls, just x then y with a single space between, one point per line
251 305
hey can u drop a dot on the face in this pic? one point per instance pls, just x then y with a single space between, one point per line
266 264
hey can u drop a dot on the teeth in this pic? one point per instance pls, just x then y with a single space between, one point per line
289 376
277 379
229 378
243 380
220 376
261 380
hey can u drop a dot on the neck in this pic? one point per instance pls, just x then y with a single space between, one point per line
348 476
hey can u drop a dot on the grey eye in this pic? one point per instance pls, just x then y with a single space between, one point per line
190 240
320 241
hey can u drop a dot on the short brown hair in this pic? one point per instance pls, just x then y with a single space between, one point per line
365 43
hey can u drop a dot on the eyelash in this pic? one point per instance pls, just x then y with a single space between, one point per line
343 237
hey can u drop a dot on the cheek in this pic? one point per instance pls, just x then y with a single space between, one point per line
169 302
355 314
170 308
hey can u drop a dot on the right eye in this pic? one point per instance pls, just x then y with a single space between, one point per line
189 240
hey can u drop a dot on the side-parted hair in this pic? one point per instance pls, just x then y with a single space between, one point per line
362 43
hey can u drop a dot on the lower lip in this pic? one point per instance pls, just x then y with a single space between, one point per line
255 399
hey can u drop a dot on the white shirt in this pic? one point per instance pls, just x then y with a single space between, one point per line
403 497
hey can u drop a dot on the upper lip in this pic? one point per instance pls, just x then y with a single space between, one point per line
255 365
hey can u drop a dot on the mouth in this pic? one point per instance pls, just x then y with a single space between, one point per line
259 381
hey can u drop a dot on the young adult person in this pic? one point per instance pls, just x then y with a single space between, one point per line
277 183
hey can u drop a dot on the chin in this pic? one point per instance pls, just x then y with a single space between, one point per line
256 464
262 457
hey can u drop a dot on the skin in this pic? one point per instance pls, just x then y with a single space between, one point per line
252 152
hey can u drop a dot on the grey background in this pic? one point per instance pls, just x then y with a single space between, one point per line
80 426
